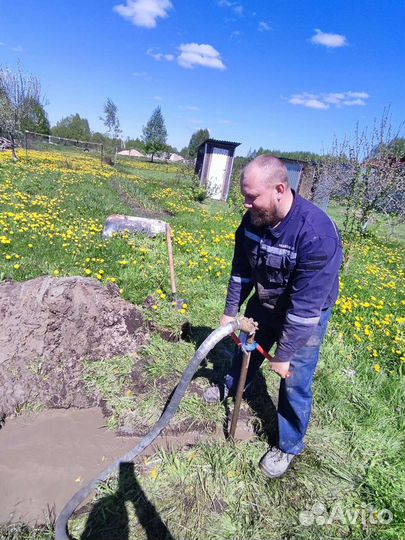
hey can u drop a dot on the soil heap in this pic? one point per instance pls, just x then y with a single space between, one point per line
47 327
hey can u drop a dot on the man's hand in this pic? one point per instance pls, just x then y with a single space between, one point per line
281 368
225 319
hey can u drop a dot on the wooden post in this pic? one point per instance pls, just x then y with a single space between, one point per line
171 261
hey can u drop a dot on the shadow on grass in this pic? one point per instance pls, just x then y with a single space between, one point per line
257 397
108 519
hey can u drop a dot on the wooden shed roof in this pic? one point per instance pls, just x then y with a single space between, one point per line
218 141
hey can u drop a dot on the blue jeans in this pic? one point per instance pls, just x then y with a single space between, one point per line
295 393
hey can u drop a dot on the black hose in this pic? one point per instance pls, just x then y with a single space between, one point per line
61 532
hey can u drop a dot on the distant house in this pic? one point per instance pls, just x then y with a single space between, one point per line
303 177
214 167
131 153
176 158
5 144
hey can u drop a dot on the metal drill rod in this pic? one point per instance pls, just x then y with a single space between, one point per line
241 385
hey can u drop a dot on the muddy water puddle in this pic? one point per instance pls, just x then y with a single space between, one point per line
46 457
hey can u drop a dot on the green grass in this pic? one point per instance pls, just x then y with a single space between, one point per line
355 443
109 379
381 226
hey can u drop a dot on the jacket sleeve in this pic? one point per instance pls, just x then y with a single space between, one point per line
240 282
316 271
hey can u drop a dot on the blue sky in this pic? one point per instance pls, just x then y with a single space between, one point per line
280 74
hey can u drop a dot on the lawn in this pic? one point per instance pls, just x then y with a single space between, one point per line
52 211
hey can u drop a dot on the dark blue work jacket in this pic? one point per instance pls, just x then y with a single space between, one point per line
294 269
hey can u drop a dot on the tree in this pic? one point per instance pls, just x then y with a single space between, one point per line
300 155
154 134
397 147
36 118
72 127
111 120
196 139
18 93
98 137
135 144
171 149
367 174
184 152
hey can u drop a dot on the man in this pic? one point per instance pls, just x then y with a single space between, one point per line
290 251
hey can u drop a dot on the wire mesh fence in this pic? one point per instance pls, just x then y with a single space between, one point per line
30 140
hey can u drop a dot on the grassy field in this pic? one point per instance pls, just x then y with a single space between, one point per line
53 207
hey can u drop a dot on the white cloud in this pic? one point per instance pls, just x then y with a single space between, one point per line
328 40
235 6
144 12
157 98
334 98
309 101
194 54
352 102
264 27
160 56
325 101
359 95
191 55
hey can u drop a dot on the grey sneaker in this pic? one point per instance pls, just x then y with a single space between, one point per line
275 463
215 394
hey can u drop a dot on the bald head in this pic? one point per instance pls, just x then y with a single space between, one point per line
269 168
264 185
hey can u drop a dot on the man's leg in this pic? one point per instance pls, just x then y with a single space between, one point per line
265 336
266 340
294 404
295 394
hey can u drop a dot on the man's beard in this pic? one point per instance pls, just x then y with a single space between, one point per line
260 218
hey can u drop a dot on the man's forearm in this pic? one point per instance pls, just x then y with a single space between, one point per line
238 290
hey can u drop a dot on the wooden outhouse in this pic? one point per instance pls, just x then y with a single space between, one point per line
214 167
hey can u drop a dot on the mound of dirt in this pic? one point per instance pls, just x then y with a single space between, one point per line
48 326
